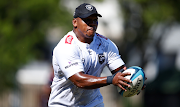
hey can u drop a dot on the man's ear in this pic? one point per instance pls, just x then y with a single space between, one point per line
74 22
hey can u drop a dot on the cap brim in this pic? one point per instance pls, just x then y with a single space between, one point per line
87 15
99 15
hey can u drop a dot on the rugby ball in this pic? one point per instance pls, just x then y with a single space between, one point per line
137 77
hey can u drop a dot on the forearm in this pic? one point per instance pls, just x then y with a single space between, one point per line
118 69
85 81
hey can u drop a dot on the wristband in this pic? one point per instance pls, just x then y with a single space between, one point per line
110 78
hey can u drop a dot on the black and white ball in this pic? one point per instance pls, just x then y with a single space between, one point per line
137 77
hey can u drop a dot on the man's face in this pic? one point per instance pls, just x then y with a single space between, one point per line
87 26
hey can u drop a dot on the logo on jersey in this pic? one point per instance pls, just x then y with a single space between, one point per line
69 39
101 58
71 64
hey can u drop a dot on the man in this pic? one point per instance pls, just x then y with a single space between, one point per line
78 60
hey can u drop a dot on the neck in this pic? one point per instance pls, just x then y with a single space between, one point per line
81 37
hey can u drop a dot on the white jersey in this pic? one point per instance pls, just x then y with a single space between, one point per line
71 56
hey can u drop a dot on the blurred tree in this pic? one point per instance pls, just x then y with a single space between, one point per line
23 26
140 16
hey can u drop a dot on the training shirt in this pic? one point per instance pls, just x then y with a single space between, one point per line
71 56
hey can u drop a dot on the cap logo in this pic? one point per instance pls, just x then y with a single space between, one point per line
89 7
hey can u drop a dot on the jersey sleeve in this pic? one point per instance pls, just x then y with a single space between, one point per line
68 59
114 59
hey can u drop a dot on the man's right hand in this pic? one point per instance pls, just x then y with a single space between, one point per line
120 80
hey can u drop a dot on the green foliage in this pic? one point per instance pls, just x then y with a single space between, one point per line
152 12
159 10
140 15
23 25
